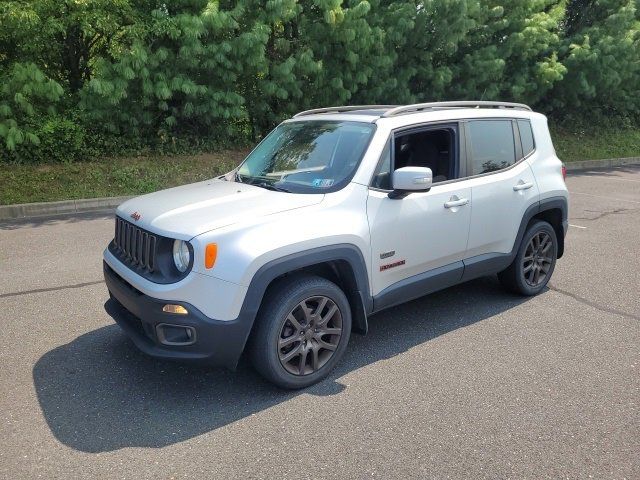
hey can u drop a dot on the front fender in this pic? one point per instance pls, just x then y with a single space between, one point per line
296 261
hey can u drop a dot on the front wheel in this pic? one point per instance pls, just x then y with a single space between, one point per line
301 332
533 265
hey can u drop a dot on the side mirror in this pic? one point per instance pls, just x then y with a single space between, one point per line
406 180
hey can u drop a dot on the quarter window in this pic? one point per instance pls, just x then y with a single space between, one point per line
492 145
526 137
382 175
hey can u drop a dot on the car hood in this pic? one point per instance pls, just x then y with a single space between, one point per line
190 210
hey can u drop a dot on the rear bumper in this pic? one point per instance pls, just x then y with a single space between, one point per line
214 342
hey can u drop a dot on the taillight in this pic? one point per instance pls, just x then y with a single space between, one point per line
564 172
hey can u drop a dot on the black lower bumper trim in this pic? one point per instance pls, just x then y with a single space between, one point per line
217 342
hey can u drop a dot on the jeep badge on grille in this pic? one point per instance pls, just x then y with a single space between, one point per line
136 216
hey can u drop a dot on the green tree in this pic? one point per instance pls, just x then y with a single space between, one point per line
420 40
180 78
64 38
601 51
350 47
275 81
154 73
510 52
25 95
317 53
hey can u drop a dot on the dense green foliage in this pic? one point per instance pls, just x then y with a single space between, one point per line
81 79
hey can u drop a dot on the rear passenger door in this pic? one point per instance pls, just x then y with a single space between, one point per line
502 184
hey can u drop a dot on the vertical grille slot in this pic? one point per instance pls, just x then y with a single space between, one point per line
135 245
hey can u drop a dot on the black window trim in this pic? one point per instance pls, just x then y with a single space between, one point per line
459 154
464 159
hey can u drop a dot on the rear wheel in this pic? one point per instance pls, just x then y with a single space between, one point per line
535 261
301 332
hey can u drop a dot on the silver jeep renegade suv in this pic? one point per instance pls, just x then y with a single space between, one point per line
337 214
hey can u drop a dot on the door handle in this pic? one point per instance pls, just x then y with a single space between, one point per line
456 203
522 186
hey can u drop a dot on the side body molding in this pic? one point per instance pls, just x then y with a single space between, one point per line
418 286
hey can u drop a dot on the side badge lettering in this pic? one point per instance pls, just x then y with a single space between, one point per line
391 265
387 254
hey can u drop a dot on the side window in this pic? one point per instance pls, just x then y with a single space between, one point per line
492 145
526 137
432 147
382 175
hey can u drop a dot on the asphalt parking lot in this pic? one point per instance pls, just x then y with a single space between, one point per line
466 383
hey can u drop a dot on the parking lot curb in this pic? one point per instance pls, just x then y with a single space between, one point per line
29 210
606 163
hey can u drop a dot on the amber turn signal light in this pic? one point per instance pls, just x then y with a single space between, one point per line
210 254
179 309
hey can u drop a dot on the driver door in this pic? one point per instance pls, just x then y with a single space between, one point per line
420 239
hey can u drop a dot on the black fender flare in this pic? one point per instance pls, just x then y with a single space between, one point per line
562 204
360 299
551 203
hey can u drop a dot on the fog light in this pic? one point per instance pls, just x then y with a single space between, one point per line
179 309
175 335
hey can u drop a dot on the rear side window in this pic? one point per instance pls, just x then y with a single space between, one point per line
492 145
526 137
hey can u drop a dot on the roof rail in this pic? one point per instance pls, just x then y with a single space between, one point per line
347 108
418 107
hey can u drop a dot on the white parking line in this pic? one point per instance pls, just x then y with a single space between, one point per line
576 226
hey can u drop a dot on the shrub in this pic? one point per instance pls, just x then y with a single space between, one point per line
25 94
59 140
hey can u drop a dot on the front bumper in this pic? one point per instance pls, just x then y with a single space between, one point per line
215 342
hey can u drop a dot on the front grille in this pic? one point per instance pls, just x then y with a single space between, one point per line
135 245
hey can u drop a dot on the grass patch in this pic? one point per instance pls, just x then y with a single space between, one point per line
109 177
138 175
589 143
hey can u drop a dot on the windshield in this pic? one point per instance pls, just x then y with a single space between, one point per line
307 157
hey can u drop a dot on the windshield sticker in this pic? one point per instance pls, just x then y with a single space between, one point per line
322 182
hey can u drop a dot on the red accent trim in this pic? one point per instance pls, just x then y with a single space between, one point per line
391 265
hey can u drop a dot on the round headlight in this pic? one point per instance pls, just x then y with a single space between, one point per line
181 255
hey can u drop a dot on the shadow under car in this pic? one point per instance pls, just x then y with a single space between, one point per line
99 393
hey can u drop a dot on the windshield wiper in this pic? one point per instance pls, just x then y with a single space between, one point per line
271 186
259 183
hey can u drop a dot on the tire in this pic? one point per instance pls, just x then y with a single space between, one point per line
535 261
293 344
